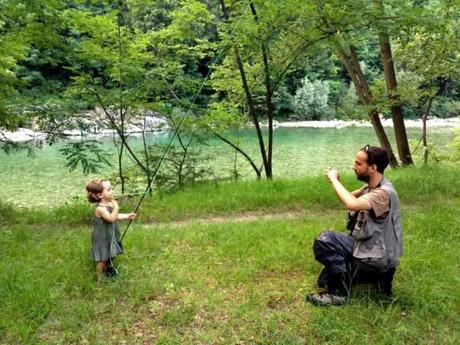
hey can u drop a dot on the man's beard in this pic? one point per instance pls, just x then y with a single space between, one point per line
362 177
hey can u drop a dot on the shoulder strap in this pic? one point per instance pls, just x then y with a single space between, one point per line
102 205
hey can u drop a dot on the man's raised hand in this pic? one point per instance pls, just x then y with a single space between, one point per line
332 174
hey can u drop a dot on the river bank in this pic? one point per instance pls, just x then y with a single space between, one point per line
25 134
432 122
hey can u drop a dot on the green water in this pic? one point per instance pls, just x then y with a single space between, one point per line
43 181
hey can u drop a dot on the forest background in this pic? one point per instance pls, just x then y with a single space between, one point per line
210 67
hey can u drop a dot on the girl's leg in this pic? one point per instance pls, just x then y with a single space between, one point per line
100 267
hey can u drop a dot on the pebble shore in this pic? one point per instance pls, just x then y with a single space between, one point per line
24 134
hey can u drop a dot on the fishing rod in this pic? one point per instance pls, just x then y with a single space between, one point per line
176 132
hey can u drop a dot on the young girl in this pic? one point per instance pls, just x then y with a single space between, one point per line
106 235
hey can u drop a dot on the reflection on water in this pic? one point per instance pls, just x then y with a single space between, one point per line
44 181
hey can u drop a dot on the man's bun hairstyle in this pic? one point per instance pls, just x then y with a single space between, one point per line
378 156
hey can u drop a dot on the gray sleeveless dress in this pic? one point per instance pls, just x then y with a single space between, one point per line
105 239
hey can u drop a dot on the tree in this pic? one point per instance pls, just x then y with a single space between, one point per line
264 51
392 87
353 66
266 153
428 53
23 29
127 70
344 21
109 68
311 99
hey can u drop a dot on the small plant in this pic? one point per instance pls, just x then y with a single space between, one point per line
179 169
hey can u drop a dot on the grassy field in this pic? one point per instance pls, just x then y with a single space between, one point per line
229 264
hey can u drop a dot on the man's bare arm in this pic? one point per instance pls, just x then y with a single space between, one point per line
349 200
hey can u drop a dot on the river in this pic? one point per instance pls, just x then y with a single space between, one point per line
43 181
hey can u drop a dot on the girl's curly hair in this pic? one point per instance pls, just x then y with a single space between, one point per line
94 189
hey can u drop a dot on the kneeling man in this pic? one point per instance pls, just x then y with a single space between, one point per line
373 248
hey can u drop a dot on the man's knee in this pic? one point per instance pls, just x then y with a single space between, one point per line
323 243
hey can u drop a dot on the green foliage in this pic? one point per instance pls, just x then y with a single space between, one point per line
247 36
167 47
311 99
284 102
445 107
14 43
428 52
150 15
180 168
86 153
349 106
418 152
223 116
109 61
31 50
60 58
455 145
127 71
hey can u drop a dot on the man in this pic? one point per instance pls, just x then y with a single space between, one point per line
373 248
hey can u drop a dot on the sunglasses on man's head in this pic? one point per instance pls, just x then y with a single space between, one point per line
366 149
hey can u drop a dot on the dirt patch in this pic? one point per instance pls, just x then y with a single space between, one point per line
237 218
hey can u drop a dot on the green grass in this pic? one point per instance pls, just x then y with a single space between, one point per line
229 281
415 186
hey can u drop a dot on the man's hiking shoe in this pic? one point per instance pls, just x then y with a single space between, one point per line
325 298
111 271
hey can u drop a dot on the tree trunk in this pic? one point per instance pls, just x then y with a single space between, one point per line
248 94
396 107
364 93
120 164
268 99
424 118
252 111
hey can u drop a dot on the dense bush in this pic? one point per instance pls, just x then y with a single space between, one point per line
311 99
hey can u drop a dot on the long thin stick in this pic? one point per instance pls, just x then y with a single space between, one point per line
152 178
